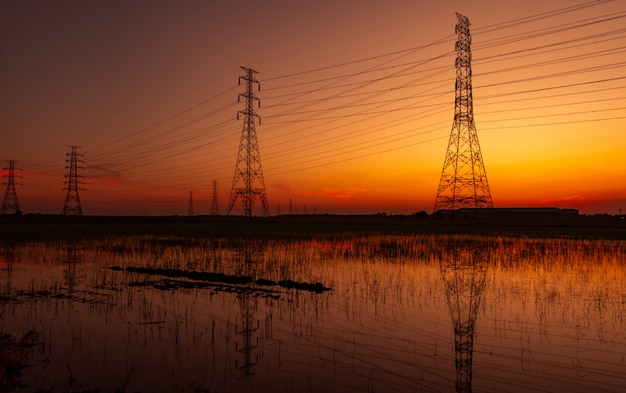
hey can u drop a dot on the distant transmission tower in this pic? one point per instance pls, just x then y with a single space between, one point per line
463 181
214 208
248 178
72 200
10 204
190 209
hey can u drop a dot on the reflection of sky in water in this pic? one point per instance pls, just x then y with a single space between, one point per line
550 317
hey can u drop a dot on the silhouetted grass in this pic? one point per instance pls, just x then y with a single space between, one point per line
42 227
13 358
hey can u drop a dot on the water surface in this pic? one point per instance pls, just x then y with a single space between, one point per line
361 313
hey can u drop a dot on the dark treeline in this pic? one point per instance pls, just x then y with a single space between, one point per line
54 227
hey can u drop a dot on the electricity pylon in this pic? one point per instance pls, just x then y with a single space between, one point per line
10 204
248 325
190 208
464 277
463 181
248 178
71 260
214 208
72 200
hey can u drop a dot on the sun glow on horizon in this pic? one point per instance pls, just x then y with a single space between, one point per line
355 118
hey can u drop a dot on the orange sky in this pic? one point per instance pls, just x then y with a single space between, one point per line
357 101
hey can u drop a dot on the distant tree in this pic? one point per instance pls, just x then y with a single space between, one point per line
420 215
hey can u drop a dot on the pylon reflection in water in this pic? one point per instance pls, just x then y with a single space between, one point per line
464 273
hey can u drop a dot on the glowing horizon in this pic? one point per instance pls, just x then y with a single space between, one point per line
355 116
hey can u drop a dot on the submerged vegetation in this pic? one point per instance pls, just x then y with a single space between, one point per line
42 227
245 313
14 355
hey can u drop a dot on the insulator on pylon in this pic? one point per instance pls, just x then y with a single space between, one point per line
463 183
248 178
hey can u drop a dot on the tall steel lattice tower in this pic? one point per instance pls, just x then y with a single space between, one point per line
248 178
214 207
464 275
190 208
72 200
463 181
10 204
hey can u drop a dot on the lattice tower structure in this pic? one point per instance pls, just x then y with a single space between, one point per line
463 182
464 278
10 203
190 207
248 180
214 205
248 324
70 270
72 205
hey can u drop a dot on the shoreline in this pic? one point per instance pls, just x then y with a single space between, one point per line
35 227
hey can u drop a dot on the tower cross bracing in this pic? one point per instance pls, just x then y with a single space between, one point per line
248 180
72 199
10 204
463 182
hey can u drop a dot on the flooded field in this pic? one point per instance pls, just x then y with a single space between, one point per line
326 313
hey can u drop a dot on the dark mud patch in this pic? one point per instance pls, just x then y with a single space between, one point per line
233 280
79 296
169 284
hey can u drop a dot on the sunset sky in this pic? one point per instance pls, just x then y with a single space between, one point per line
357 101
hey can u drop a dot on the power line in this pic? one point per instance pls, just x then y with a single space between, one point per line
349 98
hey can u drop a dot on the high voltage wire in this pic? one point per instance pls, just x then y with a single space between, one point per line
562 86
357 87
372 94
134 159
543 32
406 51
164 134
360 104
536 17
401 53
319 165
513 110
530 117
348 136
486 60
163 121
478 31
175 141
